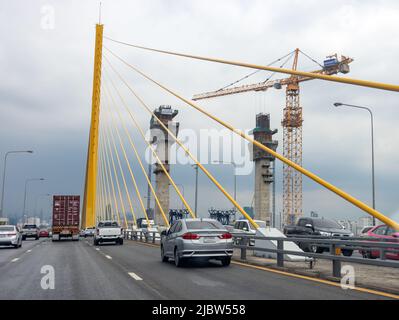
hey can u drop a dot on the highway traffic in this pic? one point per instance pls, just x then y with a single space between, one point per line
135 271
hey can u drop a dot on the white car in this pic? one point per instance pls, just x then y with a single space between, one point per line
244 226
89 232
10 236
108 231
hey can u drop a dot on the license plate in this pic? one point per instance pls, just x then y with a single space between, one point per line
209 240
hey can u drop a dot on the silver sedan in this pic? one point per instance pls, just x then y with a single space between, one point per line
10 236
196 238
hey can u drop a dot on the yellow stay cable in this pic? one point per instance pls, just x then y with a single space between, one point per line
134 182
112 183
292 164
363 83
122 174
191 212
99 205
139 161
102 186
108 201
116 176
187 151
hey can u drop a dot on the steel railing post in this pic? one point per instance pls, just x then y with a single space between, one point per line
244 242
336 264
382 254
280 253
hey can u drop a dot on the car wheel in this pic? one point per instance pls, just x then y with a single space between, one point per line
37 238
23 238
95 242
347 252
120 241
163 257
225 261
178 260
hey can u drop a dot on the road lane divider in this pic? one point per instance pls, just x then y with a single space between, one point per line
15 260
108 257
135 276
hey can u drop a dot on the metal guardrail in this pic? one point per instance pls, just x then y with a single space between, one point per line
138 235
331 244
243 241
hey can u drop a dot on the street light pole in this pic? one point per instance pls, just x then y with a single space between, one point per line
25 193
339 104
4 177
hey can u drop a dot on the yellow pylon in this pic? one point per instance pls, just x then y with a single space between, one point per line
89 204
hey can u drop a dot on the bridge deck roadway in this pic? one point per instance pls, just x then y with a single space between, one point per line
135 271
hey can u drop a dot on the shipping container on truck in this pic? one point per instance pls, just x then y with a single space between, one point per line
66 214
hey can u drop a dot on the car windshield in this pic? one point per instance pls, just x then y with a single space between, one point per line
324 223
366 229
195 225
108 224
6 228
30 226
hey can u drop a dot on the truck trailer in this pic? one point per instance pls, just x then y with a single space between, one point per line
66 214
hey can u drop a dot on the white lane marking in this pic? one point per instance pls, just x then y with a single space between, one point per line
28 250
15 259
135 276
108 257
97 249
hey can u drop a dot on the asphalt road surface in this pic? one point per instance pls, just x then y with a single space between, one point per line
135 271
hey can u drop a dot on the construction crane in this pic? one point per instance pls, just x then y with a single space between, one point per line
292 124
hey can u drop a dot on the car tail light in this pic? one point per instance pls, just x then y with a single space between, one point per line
11 234
226 236
190 236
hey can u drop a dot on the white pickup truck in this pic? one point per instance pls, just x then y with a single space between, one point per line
108 231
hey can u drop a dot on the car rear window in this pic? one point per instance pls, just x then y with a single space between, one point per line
6 228
108 225
194 225
324 223
30 226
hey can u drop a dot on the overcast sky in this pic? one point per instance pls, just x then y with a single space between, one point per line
46 79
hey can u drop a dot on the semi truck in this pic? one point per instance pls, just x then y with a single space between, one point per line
66 214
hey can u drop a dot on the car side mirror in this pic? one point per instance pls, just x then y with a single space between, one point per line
164 233
395 235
